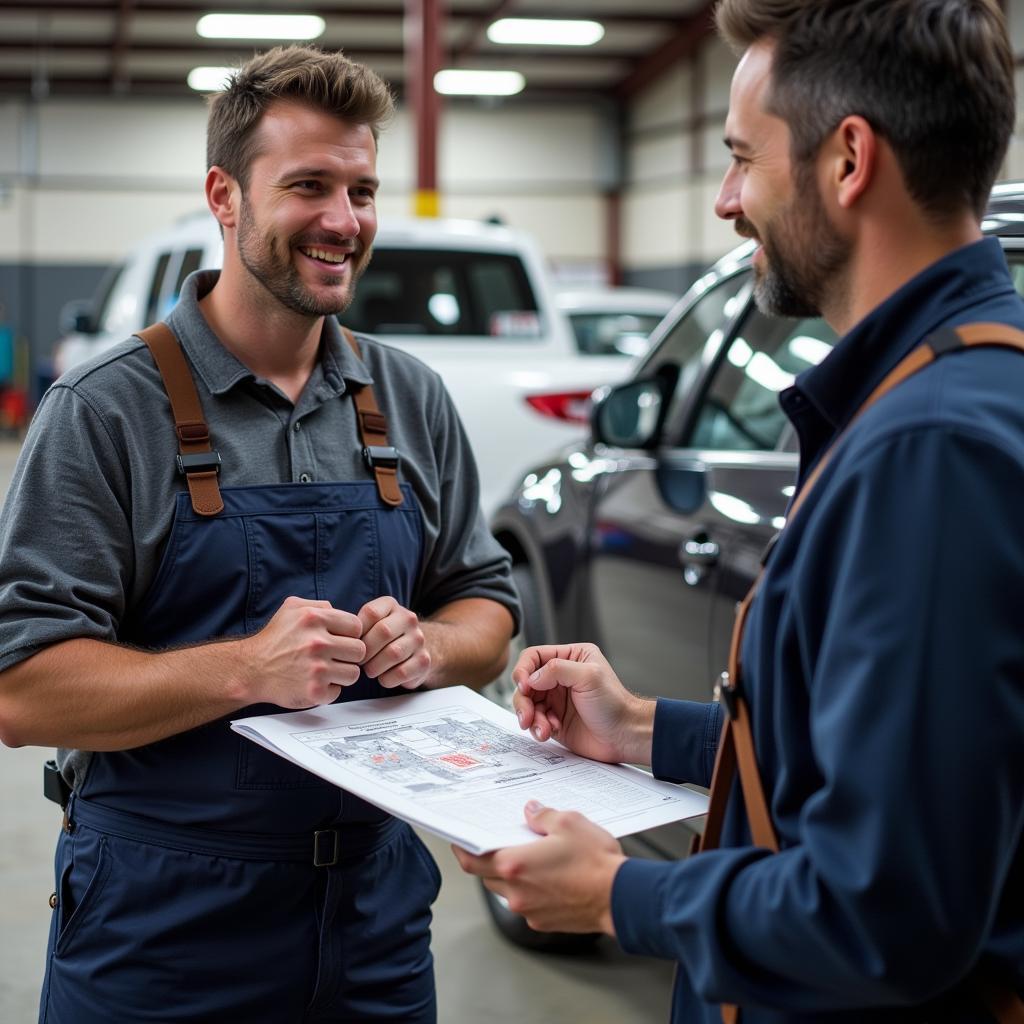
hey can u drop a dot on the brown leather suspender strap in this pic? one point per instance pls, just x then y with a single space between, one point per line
196 458
736 744
380 456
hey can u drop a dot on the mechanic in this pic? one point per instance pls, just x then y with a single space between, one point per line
318 540
882 656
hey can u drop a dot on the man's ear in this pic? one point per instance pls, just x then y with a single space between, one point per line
223 196
851 155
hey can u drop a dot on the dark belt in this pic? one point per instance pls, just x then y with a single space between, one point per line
322 848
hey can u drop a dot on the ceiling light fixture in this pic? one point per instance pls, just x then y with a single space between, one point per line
260 26
545 32
209 79
462 82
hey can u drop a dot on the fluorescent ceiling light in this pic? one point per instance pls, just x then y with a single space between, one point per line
209 79
260 26
460 82
545 32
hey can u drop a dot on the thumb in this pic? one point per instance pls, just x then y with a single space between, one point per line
536 812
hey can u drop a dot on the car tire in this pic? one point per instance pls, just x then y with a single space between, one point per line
513 926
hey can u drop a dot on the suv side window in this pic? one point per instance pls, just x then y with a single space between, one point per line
156 288
740 410
189 263
693 341
406 291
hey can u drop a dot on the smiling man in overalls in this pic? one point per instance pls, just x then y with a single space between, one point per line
246 511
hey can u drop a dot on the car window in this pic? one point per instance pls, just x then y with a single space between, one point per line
693 340
101 300
740 410
189 263
613 334
420 292
1015 260
155 288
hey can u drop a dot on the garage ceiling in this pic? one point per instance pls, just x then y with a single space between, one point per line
147 47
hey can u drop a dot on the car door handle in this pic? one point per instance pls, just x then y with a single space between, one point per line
699 552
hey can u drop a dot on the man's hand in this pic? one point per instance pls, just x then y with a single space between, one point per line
304 655
562 882
571 692
396 653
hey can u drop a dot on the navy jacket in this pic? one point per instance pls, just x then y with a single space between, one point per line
884 665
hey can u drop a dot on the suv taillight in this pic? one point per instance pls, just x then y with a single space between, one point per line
572 406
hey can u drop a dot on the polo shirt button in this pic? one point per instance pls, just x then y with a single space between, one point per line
296 426
305 478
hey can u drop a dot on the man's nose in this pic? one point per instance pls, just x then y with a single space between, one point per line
727 202
339 217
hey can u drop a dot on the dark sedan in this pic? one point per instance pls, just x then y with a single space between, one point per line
643 537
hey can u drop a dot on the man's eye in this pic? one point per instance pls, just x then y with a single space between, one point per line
309 186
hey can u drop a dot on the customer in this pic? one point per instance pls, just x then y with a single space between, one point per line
200 877
883 654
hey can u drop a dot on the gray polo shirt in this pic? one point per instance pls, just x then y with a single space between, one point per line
91 501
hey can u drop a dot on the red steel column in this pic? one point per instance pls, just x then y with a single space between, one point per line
422 61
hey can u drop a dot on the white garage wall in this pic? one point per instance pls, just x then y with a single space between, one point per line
81 182
676 159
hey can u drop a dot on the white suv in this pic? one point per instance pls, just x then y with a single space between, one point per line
472 300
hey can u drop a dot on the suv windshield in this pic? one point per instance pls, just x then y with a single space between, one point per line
417 292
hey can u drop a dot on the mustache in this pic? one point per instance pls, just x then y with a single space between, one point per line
745 229
326 238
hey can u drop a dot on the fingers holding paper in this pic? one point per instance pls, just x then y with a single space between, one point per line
570 692
562 882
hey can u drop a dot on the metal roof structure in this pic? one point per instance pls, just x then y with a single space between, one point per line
146 48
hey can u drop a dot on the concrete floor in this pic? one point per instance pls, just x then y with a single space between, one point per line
480 977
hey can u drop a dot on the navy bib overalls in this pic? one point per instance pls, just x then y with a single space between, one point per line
202 878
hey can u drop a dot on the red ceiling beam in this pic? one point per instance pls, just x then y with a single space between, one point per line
120 47
692 31
382 11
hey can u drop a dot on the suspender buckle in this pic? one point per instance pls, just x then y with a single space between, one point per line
727 692
326 846
382 456
198 462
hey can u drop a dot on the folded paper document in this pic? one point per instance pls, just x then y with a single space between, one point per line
454 763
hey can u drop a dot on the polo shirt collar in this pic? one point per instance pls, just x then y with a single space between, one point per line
221 371
841 383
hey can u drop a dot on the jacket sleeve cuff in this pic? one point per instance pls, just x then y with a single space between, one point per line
685 740
637 896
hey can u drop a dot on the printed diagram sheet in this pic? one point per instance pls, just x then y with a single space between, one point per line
456 764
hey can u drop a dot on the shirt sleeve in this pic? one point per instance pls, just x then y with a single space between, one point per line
891 885
686 737
464 559
66 555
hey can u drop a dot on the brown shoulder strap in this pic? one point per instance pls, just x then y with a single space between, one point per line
373 430
736 744
196 458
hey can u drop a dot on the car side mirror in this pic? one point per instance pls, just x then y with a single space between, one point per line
629 415
76 317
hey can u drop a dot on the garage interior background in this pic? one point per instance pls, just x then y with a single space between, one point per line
611 156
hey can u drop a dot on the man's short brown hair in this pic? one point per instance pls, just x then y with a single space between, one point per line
933 77
326 81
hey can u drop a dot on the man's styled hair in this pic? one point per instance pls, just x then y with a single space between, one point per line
934 78
328 82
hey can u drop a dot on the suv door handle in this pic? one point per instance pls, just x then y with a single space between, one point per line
699 552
